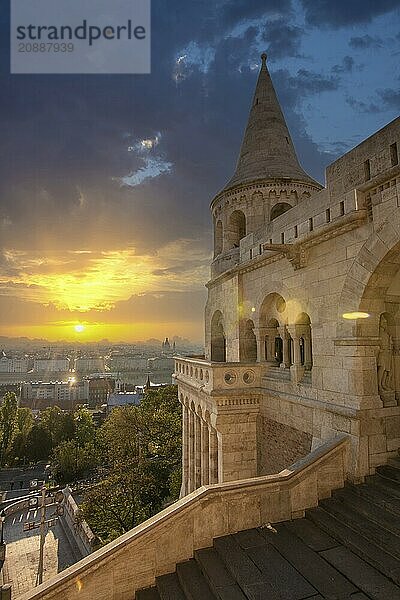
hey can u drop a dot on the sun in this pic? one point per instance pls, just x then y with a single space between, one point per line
79 328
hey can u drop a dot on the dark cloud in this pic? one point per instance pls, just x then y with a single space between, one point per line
342 13
282 38
390 98
307 82
363 107
239 10
365 41
346 66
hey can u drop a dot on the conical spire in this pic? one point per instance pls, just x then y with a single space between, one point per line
267 150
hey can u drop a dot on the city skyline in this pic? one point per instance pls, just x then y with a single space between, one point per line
105 229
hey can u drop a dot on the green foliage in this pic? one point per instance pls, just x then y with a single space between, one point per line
60 425
140 447
38 443
8 423
70 461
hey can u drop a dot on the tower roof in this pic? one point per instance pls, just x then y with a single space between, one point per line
267 150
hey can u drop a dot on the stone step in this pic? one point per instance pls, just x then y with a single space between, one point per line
147 594
284 580
322 576
192 581
389 471
377 534
388 486
169 588
219 579
381 499
365 506
357 542
375 585
394 461
248 576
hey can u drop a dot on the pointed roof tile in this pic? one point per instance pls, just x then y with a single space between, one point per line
267 150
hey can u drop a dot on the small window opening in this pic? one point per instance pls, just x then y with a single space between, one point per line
260 249
296 233
270 240
328 215
310 224
282 237
341 209
287 139
367 170
251 253
394 157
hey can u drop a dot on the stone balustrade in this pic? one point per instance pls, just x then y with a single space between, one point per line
218 376
135 559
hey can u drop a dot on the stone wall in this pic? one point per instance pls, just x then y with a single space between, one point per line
279 445
135 559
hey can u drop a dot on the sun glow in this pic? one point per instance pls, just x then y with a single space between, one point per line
79 328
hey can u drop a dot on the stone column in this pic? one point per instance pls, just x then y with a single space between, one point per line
185 450
213 455
296 369
205 461
197 451
260 338
191 459
307 352
285 339
271 332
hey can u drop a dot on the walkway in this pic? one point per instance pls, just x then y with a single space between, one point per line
22 556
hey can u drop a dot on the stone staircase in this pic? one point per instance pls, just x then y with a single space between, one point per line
348 548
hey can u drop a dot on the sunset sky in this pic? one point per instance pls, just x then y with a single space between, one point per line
105 181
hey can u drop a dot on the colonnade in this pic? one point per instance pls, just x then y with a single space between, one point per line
200 452
296 345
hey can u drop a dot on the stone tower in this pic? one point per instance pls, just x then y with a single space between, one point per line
302 322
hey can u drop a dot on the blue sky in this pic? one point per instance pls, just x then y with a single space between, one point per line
114 174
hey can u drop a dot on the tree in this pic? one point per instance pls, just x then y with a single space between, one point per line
140 446
24 424
70 462
84 427
8 417
38 443
59 424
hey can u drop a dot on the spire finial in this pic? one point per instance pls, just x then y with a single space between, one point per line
264 59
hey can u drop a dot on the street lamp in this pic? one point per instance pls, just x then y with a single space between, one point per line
2 519
2 544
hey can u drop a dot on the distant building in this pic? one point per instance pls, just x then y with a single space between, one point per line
51 365
89 364
13 365
65 394
127 362
117 399
100 388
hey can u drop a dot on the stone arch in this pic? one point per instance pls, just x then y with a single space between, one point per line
218 238
279 209
249 342
369 279
236 229
218 341
303 330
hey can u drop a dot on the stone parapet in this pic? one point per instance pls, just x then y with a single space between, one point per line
134 560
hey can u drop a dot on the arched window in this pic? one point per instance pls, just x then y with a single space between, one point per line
279 209
303 327
218 238
218 342
236 228
249 342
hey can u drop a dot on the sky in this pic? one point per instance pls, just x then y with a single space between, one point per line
106 180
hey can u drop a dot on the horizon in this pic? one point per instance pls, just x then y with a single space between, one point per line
105 229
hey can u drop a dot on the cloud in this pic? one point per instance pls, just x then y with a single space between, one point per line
363 107
307 82
391 98
154 167
283 39
343 13
346 66
365 41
